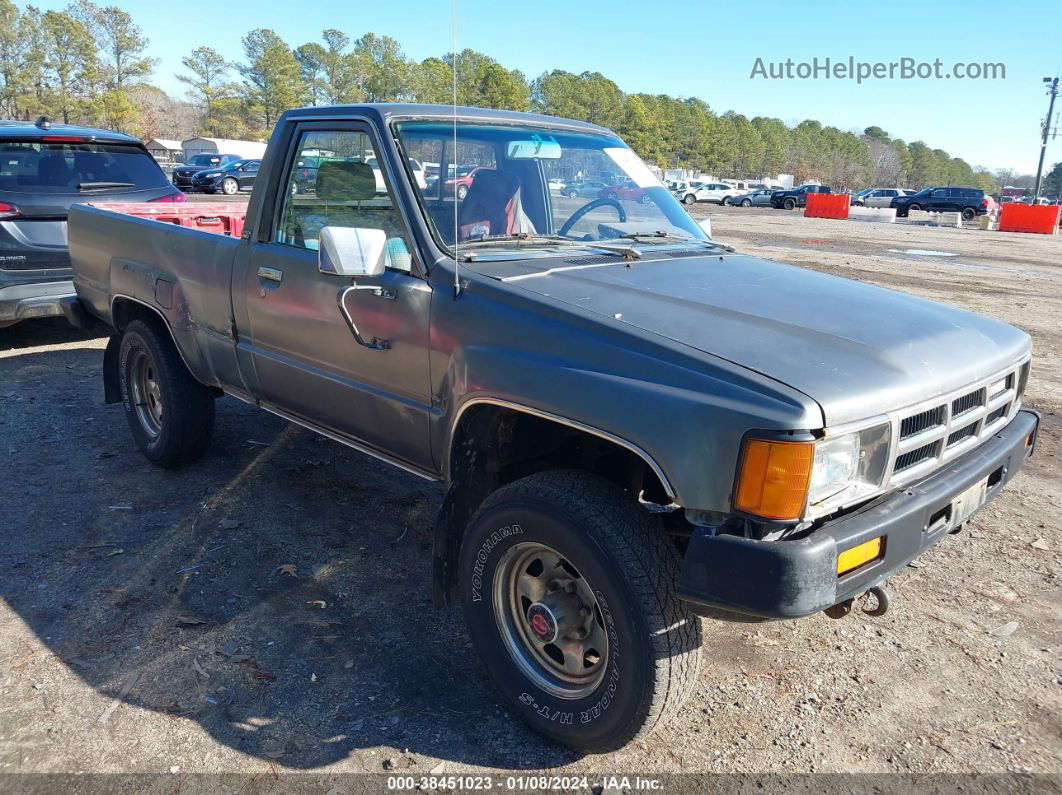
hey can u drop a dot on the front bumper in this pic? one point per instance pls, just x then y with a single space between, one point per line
24 301
789 579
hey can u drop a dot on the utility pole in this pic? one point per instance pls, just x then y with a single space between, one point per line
1052 92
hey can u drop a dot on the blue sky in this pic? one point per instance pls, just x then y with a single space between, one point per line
705 49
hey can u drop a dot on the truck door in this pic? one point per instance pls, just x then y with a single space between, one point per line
346 355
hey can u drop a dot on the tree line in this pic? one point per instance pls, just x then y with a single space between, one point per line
88 64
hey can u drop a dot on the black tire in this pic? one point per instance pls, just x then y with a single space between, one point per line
184 428
915 207
653 641
968 213
229 186
612 195
645 199
725 202
689 198
462 191
789 203
746 202
571 194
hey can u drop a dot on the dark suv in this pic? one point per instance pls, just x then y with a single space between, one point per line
44 168
971 202
797 197
184 175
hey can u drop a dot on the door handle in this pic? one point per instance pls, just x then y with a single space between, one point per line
272 274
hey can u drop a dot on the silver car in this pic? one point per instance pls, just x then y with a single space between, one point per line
756 198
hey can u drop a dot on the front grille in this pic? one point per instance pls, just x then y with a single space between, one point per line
944 429
917 456
963 433
968 402
997 414
923 421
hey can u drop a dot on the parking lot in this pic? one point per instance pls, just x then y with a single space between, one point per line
269 609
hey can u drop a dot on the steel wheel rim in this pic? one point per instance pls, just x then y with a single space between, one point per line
147 393
535 587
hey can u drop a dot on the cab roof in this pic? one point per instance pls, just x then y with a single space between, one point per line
385 112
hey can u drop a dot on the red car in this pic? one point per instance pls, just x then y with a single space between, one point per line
625 191
463 181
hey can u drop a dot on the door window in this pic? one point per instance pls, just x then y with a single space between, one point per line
334 180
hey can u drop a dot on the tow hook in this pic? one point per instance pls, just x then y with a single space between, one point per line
877 594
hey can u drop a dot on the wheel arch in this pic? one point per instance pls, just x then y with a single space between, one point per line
124 310
522 440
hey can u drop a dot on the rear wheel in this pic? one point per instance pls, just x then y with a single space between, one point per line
968 213
725 202
170 414
229 186
568 594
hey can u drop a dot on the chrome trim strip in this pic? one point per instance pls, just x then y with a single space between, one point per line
579 426
335 437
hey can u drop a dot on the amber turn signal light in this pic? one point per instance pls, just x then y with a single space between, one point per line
774 478
857 556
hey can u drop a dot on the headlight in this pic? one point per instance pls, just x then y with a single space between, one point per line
212 174
791 480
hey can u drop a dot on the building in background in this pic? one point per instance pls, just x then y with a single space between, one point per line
223 146
164 148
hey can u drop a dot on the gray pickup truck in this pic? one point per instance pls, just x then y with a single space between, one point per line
635 424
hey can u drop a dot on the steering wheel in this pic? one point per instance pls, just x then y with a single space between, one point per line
614 203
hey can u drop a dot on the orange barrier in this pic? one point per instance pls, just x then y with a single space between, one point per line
827 205
1041 219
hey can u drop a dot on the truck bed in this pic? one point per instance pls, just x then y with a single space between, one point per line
175 259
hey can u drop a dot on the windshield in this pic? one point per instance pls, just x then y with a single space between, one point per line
204 160
76 167
518 182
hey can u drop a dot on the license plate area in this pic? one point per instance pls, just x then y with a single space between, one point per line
966 504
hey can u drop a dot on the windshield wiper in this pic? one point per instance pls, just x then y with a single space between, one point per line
518 237
104 185
521 238
660 234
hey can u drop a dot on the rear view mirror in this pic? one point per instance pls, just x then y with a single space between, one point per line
537 148
351 251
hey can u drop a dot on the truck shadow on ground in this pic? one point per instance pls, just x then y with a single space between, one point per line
277 593
46 331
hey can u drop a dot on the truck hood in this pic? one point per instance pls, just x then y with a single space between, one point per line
857 349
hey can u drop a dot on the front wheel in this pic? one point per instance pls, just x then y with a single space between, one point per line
746 202
462 191
170 414
689 198
789 204
230 187
568 595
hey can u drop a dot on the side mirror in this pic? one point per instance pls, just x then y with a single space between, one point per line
351 251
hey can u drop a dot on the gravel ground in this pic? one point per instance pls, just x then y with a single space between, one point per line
269 610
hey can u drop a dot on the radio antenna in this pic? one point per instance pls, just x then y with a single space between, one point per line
453 67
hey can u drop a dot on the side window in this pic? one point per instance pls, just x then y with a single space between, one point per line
334 180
